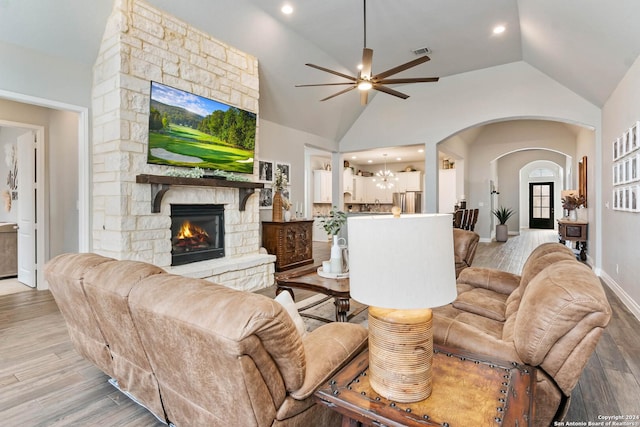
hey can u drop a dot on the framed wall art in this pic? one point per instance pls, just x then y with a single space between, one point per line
626 170
286 170
265 171
266 198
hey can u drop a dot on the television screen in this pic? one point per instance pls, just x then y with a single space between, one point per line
192 131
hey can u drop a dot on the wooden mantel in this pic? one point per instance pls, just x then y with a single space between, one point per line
160 184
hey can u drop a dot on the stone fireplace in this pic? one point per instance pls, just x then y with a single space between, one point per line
143 44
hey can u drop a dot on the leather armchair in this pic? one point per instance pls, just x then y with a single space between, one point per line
465 244
550 317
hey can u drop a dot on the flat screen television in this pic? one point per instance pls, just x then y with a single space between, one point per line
192 131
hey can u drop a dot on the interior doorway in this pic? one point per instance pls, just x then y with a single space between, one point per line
28 206
62 192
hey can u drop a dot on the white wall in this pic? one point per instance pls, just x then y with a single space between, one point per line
620 230
63 182
32 73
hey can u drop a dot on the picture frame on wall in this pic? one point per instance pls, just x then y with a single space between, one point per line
633 162
634 193
266 198
286 170
265 171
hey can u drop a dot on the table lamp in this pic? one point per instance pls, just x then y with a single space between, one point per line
401 267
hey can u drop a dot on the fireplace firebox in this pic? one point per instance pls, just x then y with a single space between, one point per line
197 233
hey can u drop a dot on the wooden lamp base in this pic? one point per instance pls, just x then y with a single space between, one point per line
400 353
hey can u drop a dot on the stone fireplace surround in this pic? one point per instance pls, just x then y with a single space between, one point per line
141 44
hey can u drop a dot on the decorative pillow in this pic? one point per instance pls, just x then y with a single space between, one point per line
284 298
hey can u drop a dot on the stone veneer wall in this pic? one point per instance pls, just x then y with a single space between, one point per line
141 44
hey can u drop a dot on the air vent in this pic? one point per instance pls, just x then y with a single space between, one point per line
421 51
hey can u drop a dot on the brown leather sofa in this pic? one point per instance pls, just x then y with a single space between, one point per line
465 244
194 352
549 317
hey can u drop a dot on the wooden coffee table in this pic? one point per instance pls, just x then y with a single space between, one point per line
307 278
468 390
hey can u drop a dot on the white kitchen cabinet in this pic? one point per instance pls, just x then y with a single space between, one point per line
321 186
409 181
347 181
359 195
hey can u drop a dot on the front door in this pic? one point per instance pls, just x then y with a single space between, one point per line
541 205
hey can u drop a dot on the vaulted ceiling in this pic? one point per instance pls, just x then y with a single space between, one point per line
586 45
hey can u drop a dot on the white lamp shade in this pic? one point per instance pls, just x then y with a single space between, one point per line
402 263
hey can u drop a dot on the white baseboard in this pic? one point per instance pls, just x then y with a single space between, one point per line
626 299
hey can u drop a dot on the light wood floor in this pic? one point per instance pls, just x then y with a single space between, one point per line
43 381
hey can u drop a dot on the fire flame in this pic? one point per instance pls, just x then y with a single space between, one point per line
188 231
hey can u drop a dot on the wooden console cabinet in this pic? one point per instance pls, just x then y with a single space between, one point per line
575 231
291 242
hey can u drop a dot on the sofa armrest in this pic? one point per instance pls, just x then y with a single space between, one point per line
456 334
489 278
327 349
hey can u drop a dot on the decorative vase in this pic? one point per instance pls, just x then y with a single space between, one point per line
287 216
277 207
336 256
502 232
573 215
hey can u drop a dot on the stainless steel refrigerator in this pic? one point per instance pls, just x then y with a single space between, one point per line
409 202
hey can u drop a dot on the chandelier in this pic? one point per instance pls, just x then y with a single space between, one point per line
385 177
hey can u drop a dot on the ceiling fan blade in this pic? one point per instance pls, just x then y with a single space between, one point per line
390 91
364 97
326 84
331 72
339 93
367 56
408 80
399 68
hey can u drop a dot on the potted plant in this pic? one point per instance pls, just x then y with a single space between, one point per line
502 214
333 222
332 225
571 203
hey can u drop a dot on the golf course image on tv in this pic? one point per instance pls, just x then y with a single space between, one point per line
193 131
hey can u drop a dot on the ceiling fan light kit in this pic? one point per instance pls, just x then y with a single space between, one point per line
365 81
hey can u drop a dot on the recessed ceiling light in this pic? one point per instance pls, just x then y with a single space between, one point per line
354 157
499 29
421 150
369 161
398 158
287 9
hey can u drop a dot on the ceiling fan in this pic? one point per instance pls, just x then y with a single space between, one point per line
364 81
